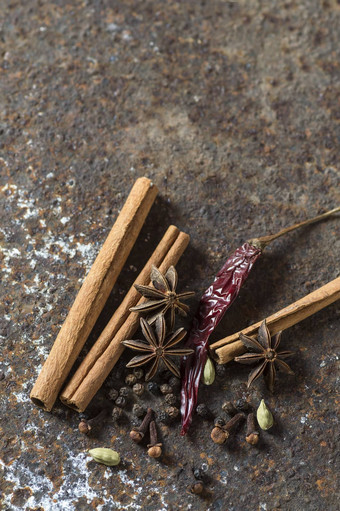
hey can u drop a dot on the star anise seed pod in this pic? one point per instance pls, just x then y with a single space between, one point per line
162 297
157 347
265 348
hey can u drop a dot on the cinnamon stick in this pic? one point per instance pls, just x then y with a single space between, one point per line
121 314
230 347
104 364
93 293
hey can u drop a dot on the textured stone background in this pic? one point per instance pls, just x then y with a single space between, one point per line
232 108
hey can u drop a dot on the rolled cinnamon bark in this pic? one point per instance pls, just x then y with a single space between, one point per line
230 347
103 365
93 293
119 317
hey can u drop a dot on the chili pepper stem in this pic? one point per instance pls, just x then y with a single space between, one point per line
263 241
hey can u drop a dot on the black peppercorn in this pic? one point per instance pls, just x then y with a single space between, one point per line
172 412
229 408
138 372
203 411
138 410
175 384
117 413
242 405
120 402
171 399
124 391
221 370
166 389
130 379
153 388
138 389
113 394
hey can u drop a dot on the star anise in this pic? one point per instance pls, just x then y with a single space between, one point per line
157 347
162 296
265 348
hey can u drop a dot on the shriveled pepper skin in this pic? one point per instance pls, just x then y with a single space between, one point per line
211 309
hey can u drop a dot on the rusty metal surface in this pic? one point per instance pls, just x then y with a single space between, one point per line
232 109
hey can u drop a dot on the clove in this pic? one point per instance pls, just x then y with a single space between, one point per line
252 435
154 448
137 434
221 433
85 426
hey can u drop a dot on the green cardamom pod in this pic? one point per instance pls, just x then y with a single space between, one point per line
106 456
208 372
264 416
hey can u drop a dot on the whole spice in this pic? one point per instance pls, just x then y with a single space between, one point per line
265 354
153 388
229 408
208 372
106 456
154 448
130 379
171 399
175 384
162 296
165 388
158 348
172 412
117 413
230 347
120 402
138 410
214 303
138 389
108 348
86 425
137 434
264 416
138 372
252 435
93 294
124 391
220 434
113 394
203 411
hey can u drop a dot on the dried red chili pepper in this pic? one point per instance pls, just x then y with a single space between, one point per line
212 307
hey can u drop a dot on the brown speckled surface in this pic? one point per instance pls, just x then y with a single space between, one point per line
232 108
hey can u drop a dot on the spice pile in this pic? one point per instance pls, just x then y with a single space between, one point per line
152 303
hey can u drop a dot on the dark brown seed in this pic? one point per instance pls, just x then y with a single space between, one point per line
130 380
138 410
124 391
171 399
121 402
229 408
203 411
174 383
166 389
117 413
138 389
172 412
252 435
113 394
139 373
